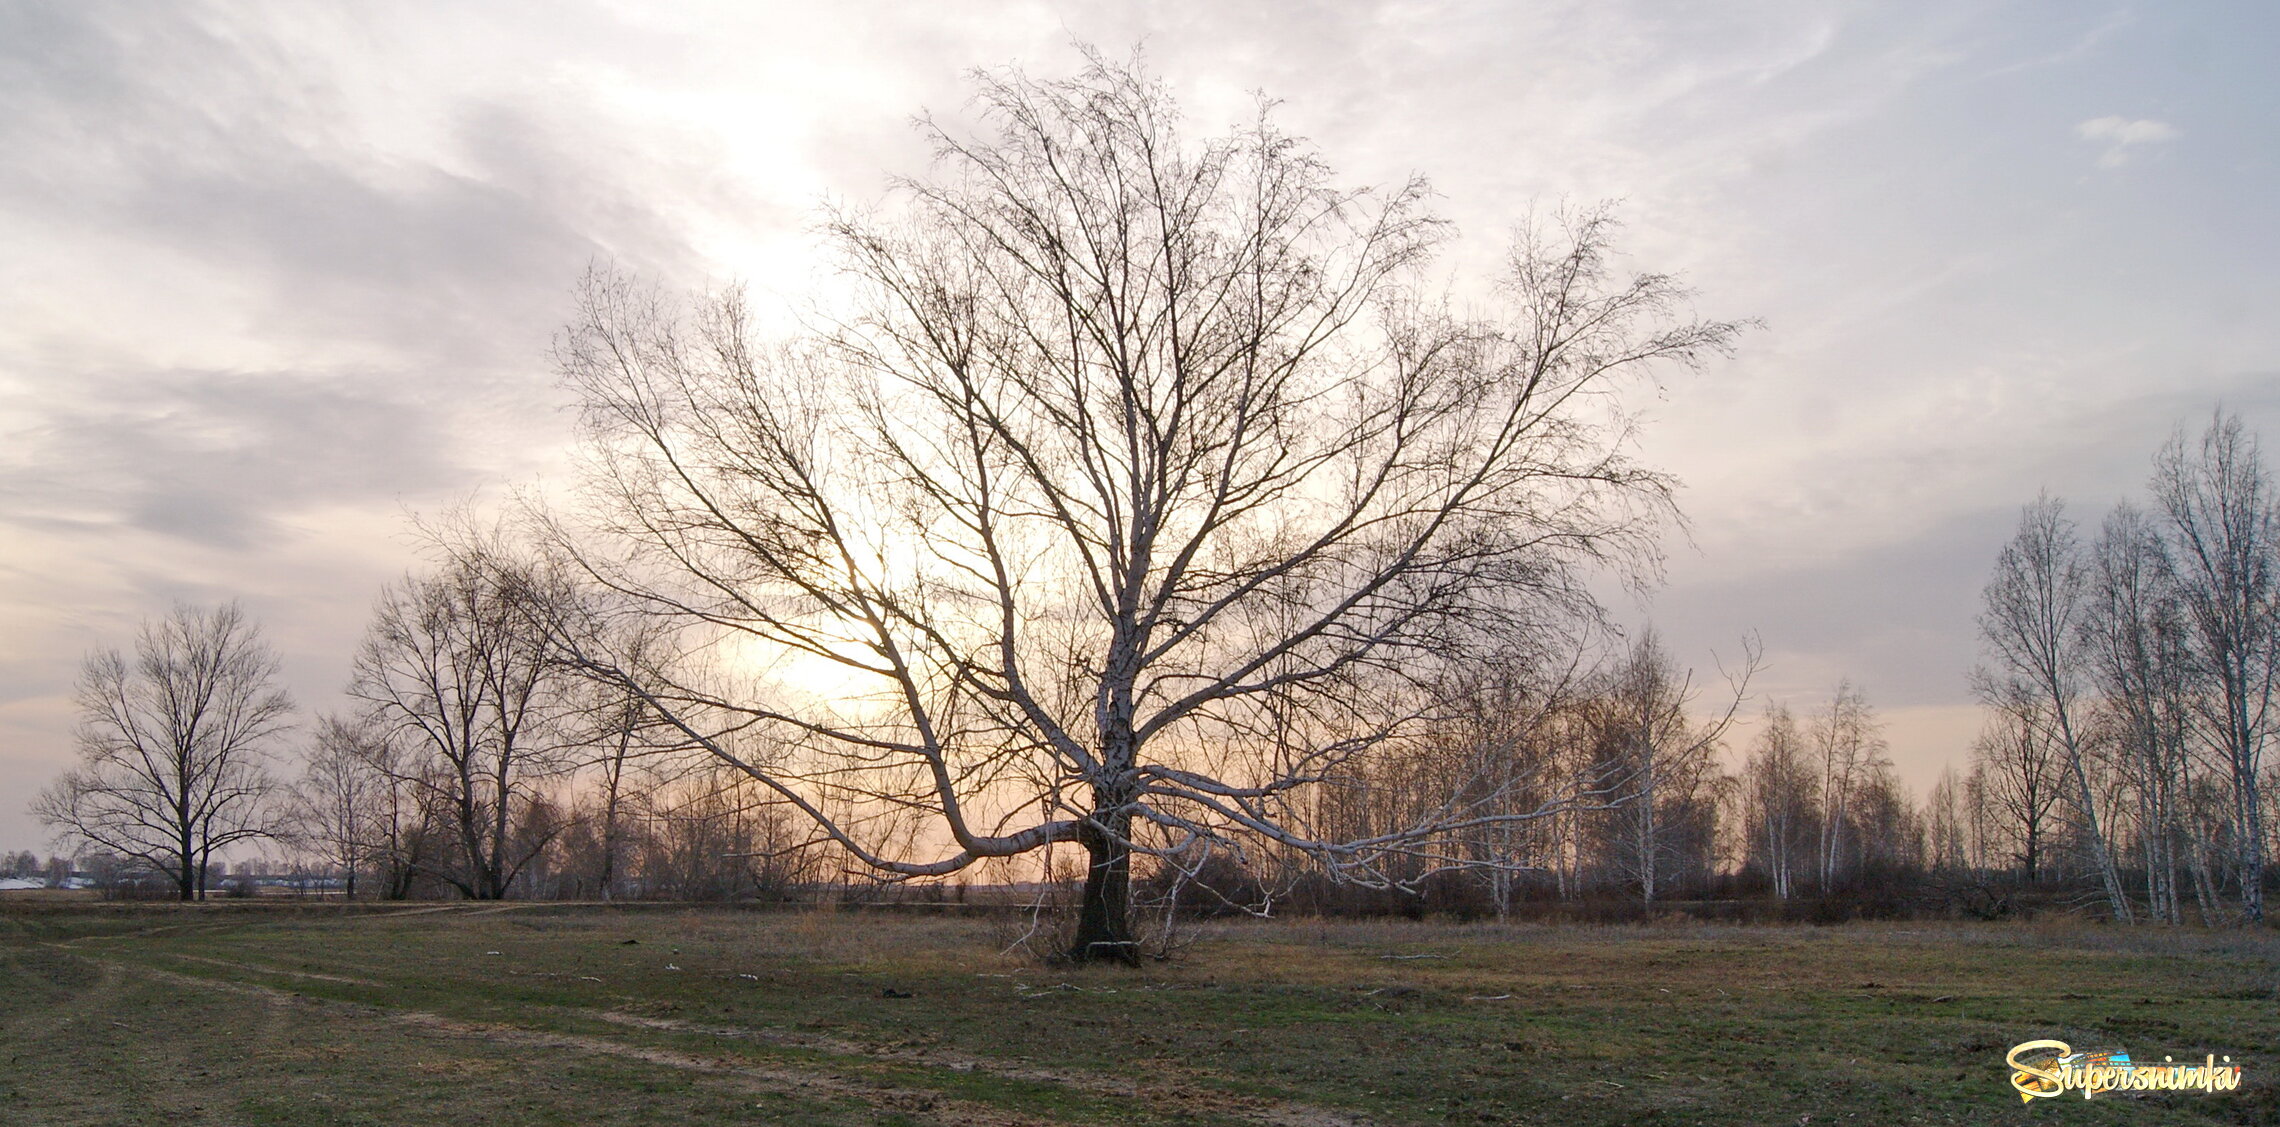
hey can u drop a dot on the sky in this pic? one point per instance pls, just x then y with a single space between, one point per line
275 278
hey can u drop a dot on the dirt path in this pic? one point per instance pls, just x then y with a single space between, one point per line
937 1107
1274 1113
281 972
820 1081
400 913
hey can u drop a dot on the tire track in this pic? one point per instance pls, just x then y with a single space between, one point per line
1273 1113
947 1110
886 1096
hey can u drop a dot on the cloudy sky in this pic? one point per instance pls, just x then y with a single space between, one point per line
274 276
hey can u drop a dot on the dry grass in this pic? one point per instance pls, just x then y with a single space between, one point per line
696 1015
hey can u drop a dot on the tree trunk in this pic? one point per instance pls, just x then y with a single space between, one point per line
2250 817
1648 831
191 875
609 851
2205 886
2109 878
1104 917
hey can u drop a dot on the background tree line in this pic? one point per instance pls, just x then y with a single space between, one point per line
476 765
2129 682
2128 685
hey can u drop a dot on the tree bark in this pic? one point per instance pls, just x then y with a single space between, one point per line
1104 916
189 878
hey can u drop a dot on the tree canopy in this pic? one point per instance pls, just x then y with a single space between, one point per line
1144 488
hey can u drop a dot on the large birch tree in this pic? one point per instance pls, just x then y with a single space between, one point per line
1142 485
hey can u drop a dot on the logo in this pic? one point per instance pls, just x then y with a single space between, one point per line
2043 1069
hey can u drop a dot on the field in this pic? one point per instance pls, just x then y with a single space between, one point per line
513 1015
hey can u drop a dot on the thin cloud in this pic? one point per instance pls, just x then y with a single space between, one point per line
2122 133
222 459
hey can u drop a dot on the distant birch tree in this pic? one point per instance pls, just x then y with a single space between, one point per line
1947 824
1661 760
2034 611
2224 536
1782 794
2138 646
1848 743
1504 748
2016 778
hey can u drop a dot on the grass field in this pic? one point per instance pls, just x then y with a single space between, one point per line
537 1014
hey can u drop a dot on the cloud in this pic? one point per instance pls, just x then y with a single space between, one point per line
220 458
2121 133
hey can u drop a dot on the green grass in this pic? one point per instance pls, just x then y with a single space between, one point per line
543 1014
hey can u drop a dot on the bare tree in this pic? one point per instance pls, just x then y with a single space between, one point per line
713 833
2034 612
1979 814
2140 654
1142 484
1849 743
617 750
1947 824
2224 533
1888 830
1782 797
1504 753
454 673
620 735
332 809
2017 778
1512 739
174 746
403 831
1661 759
